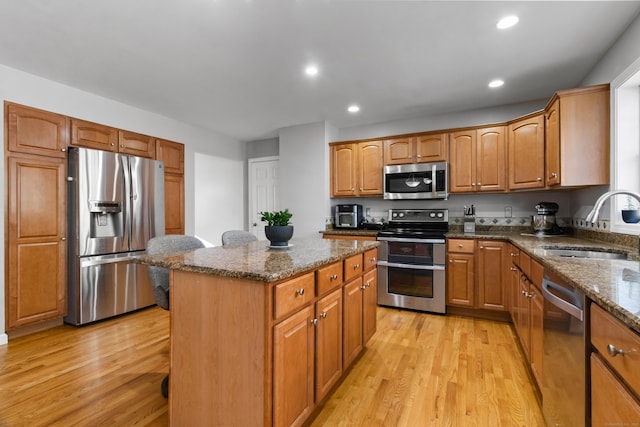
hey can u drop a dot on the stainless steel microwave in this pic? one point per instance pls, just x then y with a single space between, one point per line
416 181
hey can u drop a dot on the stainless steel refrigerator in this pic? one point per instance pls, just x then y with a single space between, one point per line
116 204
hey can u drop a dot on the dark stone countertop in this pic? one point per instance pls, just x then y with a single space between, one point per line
256 261
612 284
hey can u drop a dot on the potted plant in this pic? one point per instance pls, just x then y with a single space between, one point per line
630 214
278 230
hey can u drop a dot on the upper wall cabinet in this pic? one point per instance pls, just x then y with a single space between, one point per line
526 152
577 137
478 160
429 147
92 135
356 169
172 154
136 144
33 131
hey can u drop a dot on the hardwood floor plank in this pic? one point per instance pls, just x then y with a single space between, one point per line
418 370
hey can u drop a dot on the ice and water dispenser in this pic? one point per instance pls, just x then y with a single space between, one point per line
106 219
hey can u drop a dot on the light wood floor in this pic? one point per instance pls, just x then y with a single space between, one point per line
418 370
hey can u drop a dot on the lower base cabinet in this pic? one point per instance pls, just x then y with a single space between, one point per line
611 403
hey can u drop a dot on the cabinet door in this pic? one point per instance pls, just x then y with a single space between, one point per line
352 321
136 144
328 342
93 135
552 142
491 162
431 147
398 151
611 403
370 168
33 131
37 257
293 341
343 170
172 154
536 319
173 203
514 291
460 280
523 315
369 305
462 173
493 262
526 153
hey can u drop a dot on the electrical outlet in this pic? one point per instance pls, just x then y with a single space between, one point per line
507 212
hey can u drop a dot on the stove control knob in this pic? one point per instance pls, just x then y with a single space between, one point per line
394 215
440 215
432 214
401 214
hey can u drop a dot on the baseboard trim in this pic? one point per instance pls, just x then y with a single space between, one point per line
4 339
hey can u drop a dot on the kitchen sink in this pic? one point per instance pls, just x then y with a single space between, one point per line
585 253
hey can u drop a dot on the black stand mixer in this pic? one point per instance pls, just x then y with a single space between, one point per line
544 221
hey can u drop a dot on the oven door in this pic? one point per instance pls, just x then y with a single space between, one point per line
418 287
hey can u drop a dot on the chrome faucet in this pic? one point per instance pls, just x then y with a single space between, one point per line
595 212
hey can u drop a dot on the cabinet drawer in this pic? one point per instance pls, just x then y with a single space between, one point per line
611 403
537 273
370 259
466 246
293 294
525 263
607 330
329 277
515 255
353 267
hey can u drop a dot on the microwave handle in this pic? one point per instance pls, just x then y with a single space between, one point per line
433 181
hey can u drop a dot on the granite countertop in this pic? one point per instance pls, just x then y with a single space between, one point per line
612 284
256 261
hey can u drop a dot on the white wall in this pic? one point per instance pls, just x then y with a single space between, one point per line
304 176
27 89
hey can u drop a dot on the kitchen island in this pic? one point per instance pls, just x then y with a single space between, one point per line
260 336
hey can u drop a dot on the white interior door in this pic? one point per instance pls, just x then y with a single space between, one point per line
263 191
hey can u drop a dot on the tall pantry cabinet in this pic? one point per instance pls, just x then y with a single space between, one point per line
36 241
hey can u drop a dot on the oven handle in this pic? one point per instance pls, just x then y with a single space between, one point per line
410 240
411 266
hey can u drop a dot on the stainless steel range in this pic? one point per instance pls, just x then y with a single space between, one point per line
411 260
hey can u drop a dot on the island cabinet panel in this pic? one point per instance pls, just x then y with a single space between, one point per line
370 259
33 131
328 342
93 135
526 153
352 320
353 267
611 402
36 239
293 385
293 294
369 304
219 369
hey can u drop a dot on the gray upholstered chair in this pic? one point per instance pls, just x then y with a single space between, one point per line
234 237
159 276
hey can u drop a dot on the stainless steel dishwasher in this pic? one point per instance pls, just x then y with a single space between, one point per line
564 369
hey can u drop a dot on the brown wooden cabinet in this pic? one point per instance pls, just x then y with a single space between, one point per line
356 169
369 304
577 137
493 267
33 131
478 160
36 239
136 144
428 147
172 154
525 140
93 135
461 273
293 369
353 315
328 342
615 373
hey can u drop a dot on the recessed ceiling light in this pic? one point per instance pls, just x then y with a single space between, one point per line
496 83
353 108
507 22
311 70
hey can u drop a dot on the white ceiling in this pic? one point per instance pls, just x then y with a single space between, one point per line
236 66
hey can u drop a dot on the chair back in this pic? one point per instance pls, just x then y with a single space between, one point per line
234 237
159 276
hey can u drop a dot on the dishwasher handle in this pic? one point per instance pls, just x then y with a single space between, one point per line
562 304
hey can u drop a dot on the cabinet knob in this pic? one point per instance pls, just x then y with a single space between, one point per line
333 277
473 184
479 184
112 144
372 259
418 156
323 314
514 254
363 287
314 322
531 294
63 239
368 285
360 188
481 247
300 291
553 175
356 266
63 149
513 269
450 260
539 179
353 190
460 245
613 351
